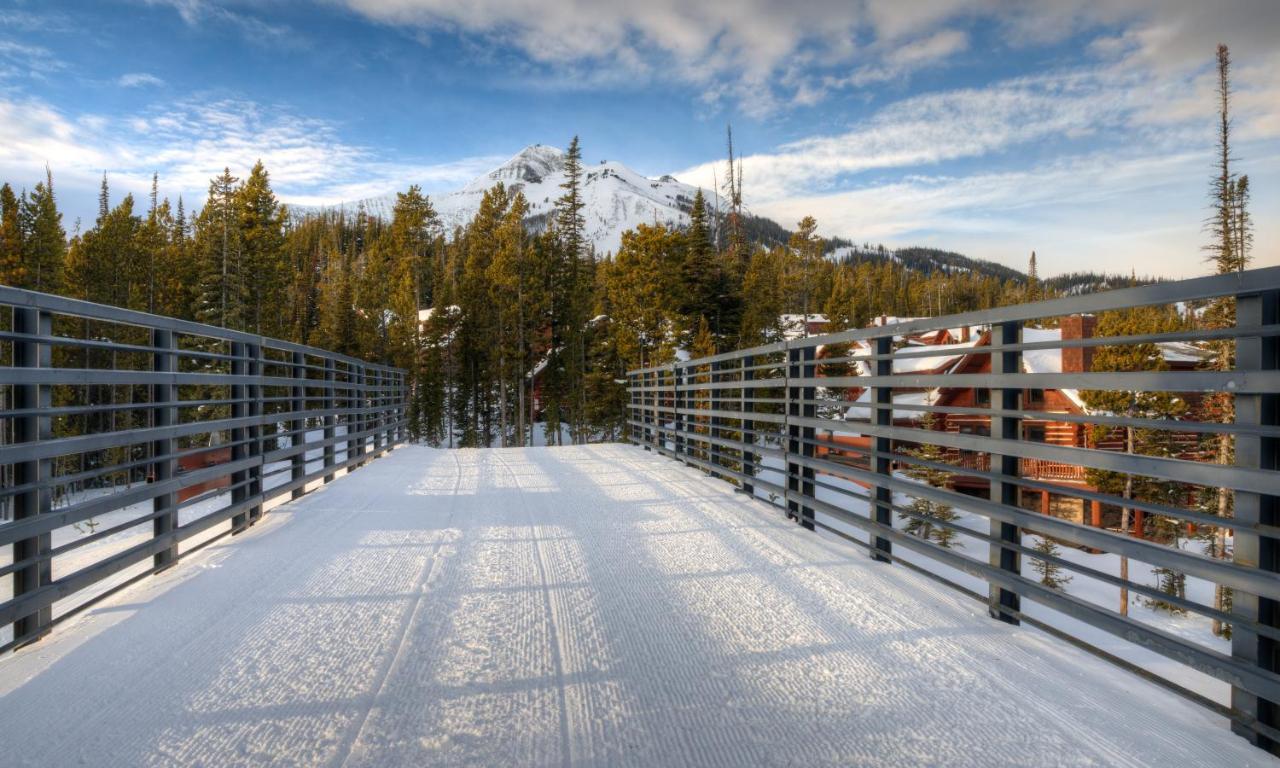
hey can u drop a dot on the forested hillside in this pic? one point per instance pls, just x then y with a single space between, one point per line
489 315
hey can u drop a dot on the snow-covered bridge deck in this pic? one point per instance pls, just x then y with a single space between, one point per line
593 605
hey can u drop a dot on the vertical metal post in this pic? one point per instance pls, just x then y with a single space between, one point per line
1253 510
362 413
330 419
298 424
164 398
793 398
809 410
352 419
679 402
714 454
379 414
1005 490
881 400
33 426
254 353
239 434
748 426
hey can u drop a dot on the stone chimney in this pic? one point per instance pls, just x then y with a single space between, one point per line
1078 359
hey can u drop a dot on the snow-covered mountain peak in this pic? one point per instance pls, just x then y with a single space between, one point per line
530 166
615 198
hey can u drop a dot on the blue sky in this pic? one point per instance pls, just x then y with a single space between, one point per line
1082 130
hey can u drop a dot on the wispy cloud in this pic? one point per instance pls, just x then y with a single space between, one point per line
190 142
252 28
138 80
765 54
21 60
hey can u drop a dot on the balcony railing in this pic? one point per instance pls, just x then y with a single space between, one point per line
751 417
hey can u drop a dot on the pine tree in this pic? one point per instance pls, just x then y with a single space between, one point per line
924 513
1230 236
45 243
570 303
1051 574
263 263
702 278
761 318
807 248
13 268
217 247
1034 292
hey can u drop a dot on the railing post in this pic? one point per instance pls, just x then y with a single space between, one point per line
164 398
254 352
809 410
713 425
748 427
1256 353
298 424
881 400
239 434
799 404
330 419
362 407
679 401
1004 490
34 425
352 420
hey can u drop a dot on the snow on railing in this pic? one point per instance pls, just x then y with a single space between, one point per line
1067 469
157 436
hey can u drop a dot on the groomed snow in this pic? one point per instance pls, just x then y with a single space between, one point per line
583 605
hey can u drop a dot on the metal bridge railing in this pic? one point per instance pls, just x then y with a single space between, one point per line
871 434
128 440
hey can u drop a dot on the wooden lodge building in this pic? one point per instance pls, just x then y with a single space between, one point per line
960 352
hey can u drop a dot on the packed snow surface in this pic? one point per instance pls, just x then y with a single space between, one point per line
566 606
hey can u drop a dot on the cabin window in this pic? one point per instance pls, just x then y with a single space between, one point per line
976 429
983 398
1033 433
1035 397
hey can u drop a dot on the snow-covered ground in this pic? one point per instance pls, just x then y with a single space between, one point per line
582 605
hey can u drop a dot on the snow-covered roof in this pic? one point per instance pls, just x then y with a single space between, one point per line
860 410
425 315
1182 352
797 326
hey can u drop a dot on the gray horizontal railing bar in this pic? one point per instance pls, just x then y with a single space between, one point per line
1070 418
1250 282
1181 470
61 305
967 348
1190 515
118 438
1263 583
1152 592
1238 382
1140 588
121 377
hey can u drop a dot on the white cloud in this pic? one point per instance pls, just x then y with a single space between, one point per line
138 80
190 142
768 53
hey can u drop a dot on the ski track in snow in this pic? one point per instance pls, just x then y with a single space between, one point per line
594 605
